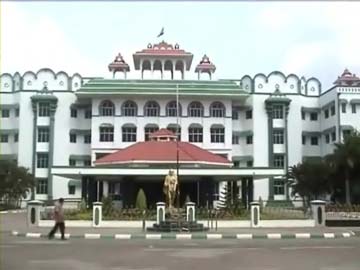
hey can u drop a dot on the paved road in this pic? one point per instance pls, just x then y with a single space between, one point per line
18 253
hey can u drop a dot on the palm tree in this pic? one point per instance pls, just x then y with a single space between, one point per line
345 160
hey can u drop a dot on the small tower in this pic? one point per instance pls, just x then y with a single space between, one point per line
162 57
119 64
205 66
347 79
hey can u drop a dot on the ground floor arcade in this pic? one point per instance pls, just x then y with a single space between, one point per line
202 186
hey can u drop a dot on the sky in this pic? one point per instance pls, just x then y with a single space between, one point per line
311 39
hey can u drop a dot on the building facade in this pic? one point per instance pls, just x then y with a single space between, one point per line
59 125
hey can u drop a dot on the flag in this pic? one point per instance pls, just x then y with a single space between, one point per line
161 32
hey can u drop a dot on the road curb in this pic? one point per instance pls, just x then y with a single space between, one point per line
13 211
189 236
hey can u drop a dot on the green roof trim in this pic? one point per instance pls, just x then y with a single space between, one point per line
161 87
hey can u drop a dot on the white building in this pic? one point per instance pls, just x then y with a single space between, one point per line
58 126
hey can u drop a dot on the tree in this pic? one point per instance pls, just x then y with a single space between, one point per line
141 200
345 161
15 183
310 180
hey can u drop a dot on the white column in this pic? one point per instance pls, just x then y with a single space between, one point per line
105 188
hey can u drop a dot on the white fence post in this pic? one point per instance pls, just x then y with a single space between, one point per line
33 213
255 214
160 212
97 214
318 212
190 212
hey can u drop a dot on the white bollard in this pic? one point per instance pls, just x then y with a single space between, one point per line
190 212
318 212
255 214
160 212
33 213
97 214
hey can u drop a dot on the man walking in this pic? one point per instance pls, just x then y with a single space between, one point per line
59 220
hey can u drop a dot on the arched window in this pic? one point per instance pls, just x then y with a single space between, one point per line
106 132
195 133
150 128
217 109
107 108
196 109
152 108
217 133
171 109
128 133
129 108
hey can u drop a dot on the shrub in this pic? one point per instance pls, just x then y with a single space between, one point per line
107 205
141 200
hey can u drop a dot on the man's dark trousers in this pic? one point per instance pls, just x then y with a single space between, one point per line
60 225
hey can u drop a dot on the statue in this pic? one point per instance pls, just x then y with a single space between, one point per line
170 188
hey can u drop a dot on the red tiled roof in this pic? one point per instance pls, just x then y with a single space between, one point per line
163 152
162 132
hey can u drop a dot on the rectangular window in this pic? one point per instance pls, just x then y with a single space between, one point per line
87 138
279 187
303 114
4 138
313 116
249 139
279 161
129 134
327 138
43 134
42 160
196 134
17 112
235 139
333 136
72 138
42 186
248 114
16 137
278 112
235 114
249 163
353 108
88 114
343 107
44 109
73 113
5 113
278 136
217 135
236 163
72 189
303 140
326 112
106 134
332 109
314 140
87 162
72 162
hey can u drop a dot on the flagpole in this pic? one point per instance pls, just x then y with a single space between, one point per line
177 145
